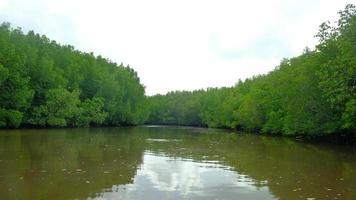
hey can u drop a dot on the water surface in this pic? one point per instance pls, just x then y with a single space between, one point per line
170 163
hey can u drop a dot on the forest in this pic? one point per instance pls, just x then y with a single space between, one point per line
46 84
312 94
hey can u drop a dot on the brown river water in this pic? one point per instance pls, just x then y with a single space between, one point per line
157 162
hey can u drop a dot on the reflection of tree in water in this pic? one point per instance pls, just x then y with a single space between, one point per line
81 163
290 169
66 164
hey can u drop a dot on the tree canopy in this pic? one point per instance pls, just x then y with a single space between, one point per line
311 94
45 84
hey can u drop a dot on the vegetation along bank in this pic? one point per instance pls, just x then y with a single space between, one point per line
45 84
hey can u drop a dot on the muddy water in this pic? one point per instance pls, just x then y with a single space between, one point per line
170 163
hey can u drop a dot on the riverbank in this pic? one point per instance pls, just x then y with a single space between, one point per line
335 138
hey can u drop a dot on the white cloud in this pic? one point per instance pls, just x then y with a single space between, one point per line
176 45
161 176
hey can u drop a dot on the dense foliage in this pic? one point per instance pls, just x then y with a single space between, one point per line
312 94
45 84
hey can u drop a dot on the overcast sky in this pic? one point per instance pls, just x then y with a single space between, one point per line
182 44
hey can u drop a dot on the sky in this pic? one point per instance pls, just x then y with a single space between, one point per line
181 44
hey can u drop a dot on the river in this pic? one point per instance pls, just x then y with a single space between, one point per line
157 162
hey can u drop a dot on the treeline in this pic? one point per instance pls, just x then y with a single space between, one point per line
45 84
312 94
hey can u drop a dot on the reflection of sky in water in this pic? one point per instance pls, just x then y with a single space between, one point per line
162 177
